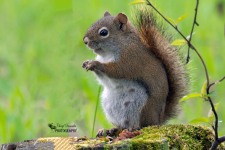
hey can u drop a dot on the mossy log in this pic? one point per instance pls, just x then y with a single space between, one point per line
153 138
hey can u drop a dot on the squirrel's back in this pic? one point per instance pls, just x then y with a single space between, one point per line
153 37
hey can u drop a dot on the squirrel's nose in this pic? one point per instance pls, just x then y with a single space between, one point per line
86 40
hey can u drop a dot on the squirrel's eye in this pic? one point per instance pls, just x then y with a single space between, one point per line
103 32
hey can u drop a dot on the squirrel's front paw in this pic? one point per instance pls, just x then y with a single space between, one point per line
92 65
85 64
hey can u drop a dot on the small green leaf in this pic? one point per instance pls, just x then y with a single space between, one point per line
199 120
176 22
203 90
172 21
178 42
137 2
190 96
180 19
211 116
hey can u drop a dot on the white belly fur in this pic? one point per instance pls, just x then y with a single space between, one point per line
122 101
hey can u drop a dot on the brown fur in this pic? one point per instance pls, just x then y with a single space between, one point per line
146 57
160 46
137 64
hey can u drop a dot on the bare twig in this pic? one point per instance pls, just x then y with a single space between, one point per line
217 143
189 43
190 46
210 85
192 29
215 127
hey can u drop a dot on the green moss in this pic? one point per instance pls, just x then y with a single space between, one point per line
164 137
177 136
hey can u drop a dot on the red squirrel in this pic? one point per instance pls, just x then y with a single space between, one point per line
142 75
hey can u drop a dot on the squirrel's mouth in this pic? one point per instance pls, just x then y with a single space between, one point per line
97 50
94 48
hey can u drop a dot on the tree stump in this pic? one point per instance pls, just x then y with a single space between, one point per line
163 137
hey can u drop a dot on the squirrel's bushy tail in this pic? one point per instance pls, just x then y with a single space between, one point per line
152 34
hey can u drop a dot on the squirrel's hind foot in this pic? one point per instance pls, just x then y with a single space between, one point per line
111 132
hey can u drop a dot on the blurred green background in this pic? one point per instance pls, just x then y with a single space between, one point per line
41 53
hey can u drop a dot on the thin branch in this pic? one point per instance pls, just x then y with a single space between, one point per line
189 43
214 145
210 85
217 143
221 139
204 65
215 128
192 29
175 27
190 46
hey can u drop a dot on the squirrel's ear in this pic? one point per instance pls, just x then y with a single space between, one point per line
121 20
107 14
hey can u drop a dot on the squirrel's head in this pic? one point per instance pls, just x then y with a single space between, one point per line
108 33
